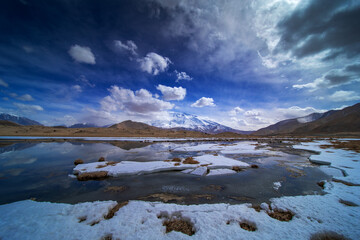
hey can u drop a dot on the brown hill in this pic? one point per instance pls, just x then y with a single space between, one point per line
8 123
133 125
346 120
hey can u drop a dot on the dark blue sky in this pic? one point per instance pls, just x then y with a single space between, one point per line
245 64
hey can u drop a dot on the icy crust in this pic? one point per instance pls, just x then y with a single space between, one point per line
132 167
339 159
244 147
140 220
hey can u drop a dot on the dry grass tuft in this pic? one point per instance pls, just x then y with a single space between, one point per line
78 161
281 215
112 211
236 168
248 226
353 145
190 160
176 160
177 164
254 166
327 235
101 159
179 225
93 176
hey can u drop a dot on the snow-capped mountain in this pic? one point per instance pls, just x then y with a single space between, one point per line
192 122
18 120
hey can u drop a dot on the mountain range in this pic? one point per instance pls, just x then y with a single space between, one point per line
19 120
183 121
346 120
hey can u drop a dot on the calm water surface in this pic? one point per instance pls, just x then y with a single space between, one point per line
41 170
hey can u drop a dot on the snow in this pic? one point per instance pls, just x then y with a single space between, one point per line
243 147
139 219
222 171
132 167
276 185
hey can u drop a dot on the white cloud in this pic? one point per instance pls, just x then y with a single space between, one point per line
138 102
182 76
172 93
25 97
252 113
28 108
3 83
235 111
82 54
128 46
153 63
344 96
77 88
203 102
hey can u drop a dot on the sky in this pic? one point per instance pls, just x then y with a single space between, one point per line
245 64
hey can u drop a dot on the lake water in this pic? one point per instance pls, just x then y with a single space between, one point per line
41 170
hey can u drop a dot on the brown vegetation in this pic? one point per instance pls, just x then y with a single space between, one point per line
190 160
248 226
176 160
179 225
254 166
165 197
353 145
236 168
115 189
93 176
327 235
101 159
112 211
281 215
78 161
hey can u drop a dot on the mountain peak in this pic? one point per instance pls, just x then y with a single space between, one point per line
19 120
178 120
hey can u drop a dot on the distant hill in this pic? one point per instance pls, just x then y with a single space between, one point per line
183 121
131 125
8 123
19 120
346 120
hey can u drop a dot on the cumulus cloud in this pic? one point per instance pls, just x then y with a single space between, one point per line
172 93
28 108
138 102
153 63
235 111
77 88
252 113
82 54
129 46
204 102
25 97
344 96
3 83
182 76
